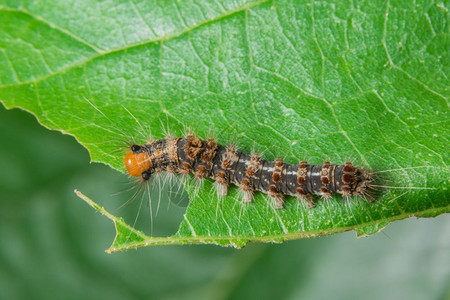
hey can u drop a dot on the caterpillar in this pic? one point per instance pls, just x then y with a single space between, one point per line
226 165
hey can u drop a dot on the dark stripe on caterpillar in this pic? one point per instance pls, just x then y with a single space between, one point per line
225 165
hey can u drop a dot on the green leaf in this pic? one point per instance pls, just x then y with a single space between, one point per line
299 80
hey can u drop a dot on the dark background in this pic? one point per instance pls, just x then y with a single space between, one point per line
52 243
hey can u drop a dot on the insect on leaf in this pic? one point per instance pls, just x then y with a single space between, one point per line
316 81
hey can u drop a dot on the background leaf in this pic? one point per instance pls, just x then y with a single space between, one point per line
321 81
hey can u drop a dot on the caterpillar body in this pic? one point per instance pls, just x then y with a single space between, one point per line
226 165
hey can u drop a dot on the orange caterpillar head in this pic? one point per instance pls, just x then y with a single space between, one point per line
138 163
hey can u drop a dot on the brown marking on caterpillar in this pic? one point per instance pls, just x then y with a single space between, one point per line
250 171
253 165
347 178
348 167
210 150
184 168
278 169
276 177
229 157
201 172
193 147
248 191
302 172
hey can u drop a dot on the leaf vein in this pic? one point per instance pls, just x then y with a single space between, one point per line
142 43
